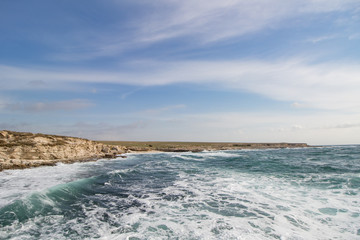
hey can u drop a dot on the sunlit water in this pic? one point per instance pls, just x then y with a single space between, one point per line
310 193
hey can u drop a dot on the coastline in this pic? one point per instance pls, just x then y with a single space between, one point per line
137 146
20 150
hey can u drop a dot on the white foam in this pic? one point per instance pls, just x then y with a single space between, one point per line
280 209
16 184
205 155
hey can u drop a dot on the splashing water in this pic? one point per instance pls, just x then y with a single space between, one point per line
309 193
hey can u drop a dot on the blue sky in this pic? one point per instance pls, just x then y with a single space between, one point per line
230 70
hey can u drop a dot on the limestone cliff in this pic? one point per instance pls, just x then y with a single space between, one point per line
22 150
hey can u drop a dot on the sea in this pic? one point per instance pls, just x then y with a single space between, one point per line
300 193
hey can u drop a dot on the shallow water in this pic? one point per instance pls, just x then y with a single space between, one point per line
310 193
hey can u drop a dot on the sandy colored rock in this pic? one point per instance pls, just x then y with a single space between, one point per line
22 150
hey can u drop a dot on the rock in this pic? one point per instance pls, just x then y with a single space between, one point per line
41 149
109 155
105 149
114 148
3 134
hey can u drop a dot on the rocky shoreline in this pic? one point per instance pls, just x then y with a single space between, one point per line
23 150
20 150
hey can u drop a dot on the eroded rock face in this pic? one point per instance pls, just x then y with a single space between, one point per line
21 150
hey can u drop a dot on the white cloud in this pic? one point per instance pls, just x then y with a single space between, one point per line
313 128
297 127
321 38
327 86
202 21
213 20
297 105
344 125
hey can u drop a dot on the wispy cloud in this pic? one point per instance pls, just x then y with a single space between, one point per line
202 21
217 20
68 105
327 85
344 125
321 38
127 94
164 109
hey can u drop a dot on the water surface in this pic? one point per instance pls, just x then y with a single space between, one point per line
310 193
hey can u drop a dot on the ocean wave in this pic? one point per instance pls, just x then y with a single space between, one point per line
283 194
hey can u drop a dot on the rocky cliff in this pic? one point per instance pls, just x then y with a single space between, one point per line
23 150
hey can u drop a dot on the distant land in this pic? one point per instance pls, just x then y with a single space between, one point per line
136 146
20 150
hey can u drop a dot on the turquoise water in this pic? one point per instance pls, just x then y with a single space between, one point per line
310 193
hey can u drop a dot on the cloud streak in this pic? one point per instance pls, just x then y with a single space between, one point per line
214 20
327 85
155 111
203 21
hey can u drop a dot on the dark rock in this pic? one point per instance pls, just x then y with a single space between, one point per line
110 155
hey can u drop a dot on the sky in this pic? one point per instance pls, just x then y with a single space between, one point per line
182 70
